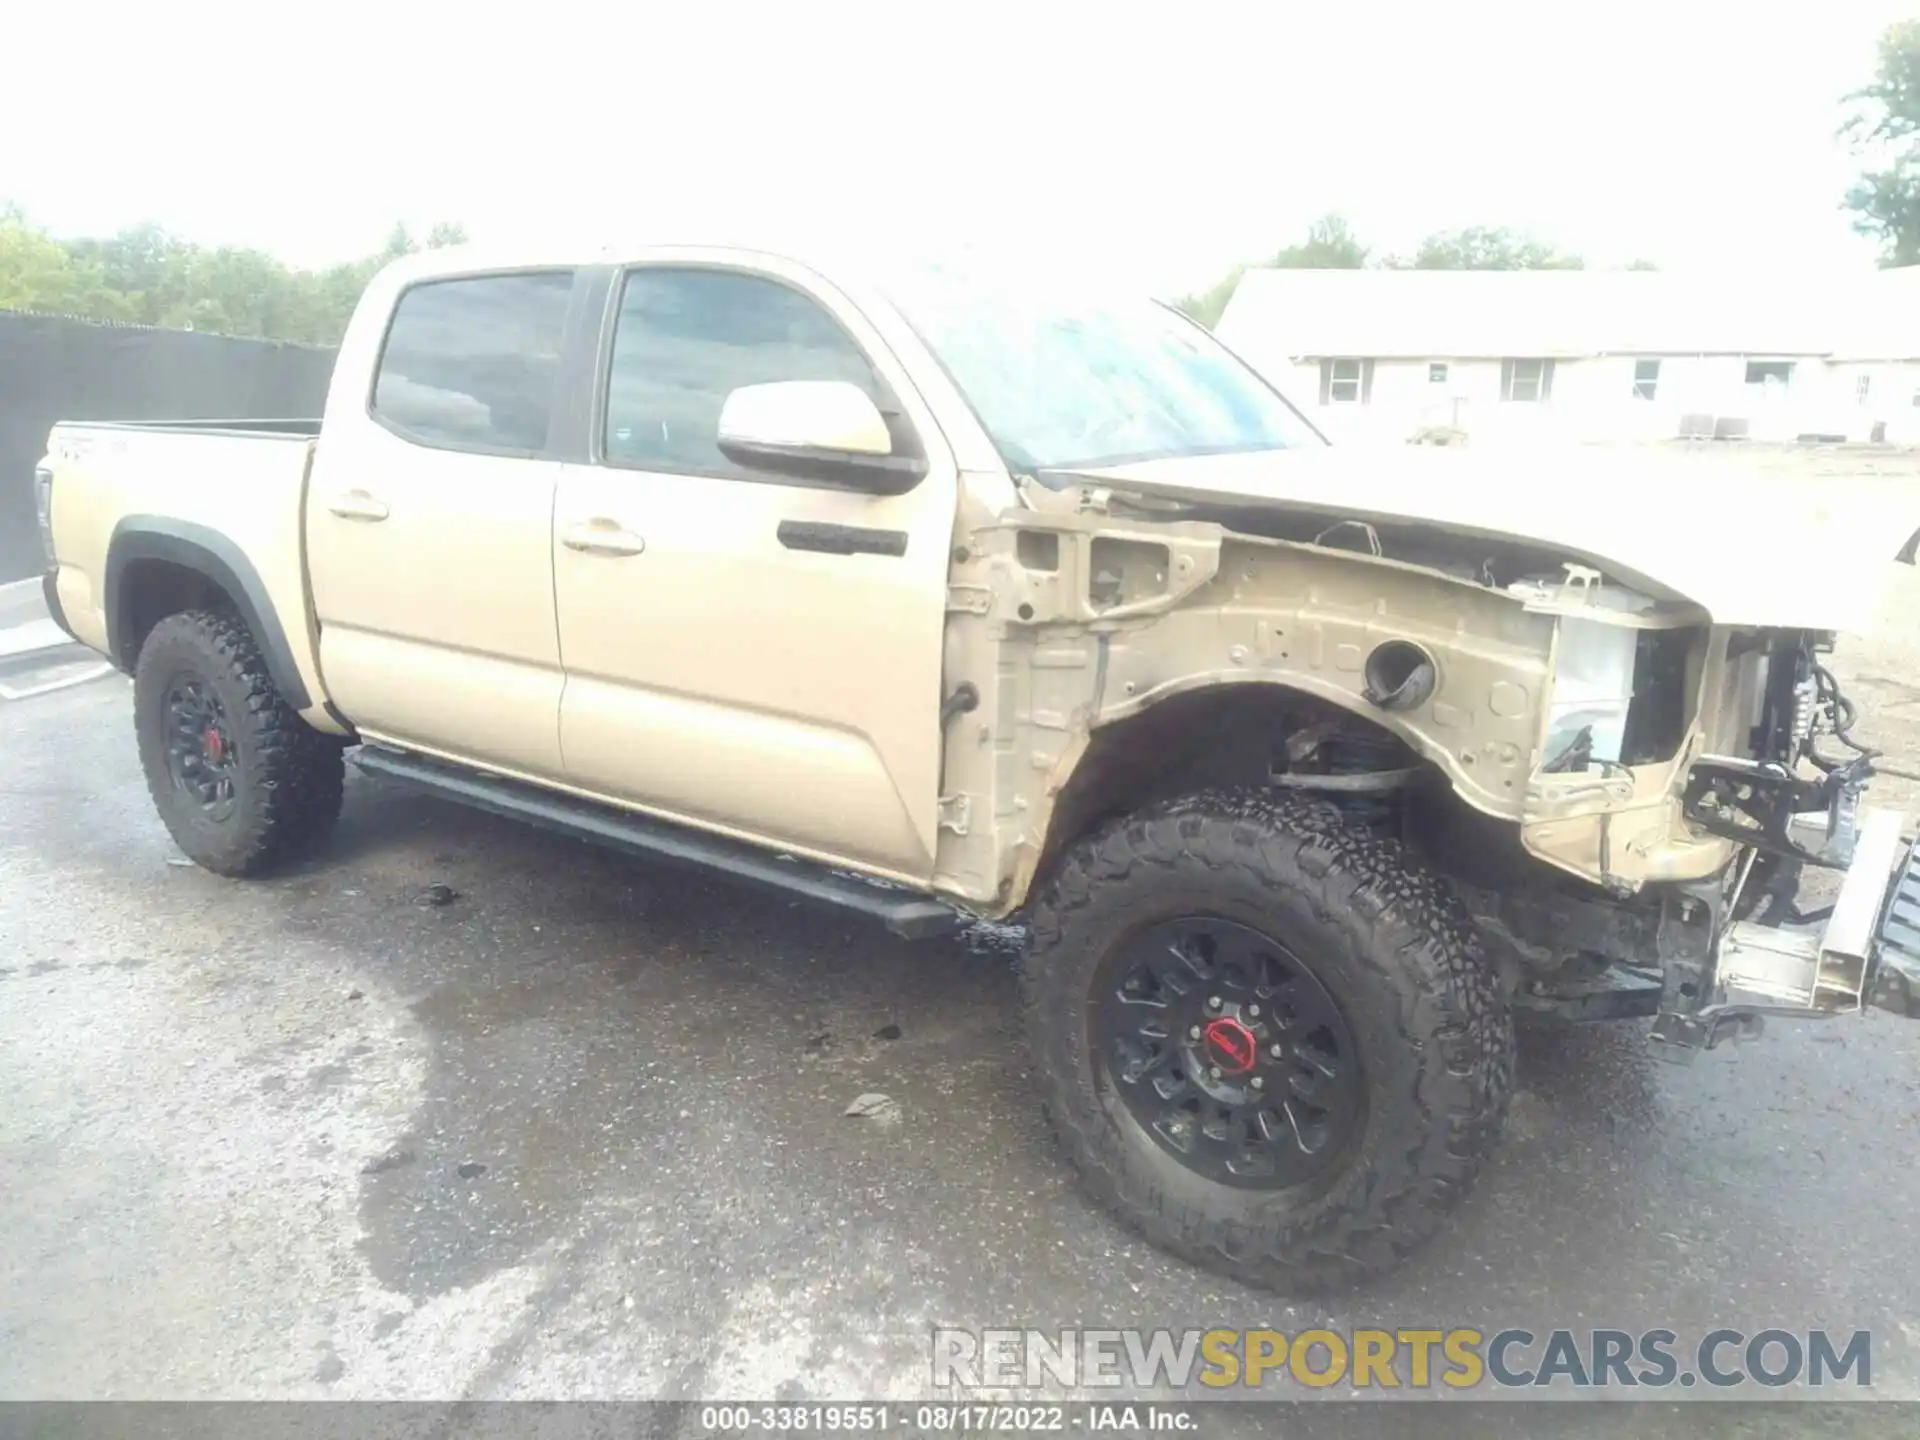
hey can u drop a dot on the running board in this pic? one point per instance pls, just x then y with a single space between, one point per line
907 914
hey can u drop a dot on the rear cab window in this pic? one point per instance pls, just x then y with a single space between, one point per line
685 338
471 363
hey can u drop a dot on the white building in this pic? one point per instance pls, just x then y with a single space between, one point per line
1584 355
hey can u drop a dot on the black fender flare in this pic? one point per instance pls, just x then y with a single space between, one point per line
209 553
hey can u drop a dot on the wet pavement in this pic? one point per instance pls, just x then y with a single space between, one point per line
576 1129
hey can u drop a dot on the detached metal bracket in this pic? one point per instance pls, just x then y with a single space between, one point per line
1793 972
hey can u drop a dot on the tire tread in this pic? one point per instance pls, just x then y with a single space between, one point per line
298 773
1420 942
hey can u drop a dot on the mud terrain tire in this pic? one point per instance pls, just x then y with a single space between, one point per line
263 785
1389 944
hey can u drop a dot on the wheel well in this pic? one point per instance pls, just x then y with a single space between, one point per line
1225 736
157 566
149 591
1236 735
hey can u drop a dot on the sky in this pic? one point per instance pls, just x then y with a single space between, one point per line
1149 146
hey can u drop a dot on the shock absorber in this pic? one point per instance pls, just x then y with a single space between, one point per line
1360 754
1358 770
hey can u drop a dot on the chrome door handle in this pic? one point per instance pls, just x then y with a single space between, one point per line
358 505
602 536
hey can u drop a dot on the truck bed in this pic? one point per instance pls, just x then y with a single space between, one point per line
224 498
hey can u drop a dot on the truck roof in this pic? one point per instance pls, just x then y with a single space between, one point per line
494 255
891 271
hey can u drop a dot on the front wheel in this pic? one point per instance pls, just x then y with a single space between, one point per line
1268 1039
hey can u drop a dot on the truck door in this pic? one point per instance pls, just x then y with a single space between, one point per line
729 661
430 522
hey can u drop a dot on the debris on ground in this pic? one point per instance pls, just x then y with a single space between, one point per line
435 896
874 1106
994 937
887 1032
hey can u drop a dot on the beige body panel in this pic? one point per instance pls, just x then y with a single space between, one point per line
246 489
721 677
718 677
437 622
431 577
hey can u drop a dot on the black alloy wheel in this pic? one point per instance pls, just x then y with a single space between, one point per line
202 758
1268 1038
241 781
1220 1041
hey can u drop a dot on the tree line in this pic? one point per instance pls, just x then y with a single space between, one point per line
145 275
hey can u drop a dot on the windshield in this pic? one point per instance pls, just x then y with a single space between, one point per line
1064 386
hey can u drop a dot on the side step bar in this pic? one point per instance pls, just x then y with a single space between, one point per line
906 914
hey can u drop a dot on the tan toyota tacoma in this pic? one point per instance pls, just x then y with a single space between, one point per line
939 600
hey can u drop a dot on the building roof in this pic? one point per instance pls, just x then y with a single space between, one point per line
1469 314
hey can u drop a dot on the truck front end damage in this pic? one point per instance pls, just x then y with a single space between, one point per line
1623 790
1781 777
1736 774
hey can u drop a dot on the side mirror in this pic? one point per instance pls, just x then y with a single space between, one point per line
824 430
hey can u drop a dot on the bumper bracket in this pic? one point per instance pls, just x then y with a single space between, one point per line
1868 948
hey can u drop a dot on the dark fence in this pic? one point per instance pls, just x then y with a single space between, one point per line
53 369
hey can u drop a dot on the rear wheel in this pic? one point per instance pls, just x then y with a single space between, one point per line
240 780
1267 1039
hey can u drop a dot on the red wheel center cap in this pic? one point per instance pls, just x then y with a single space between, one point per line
1230 1045
216 746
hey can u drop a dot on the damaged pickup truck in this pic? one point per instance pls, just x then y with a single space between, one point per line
1305 766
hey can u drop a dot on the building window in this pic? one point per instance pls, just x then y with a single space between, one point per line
1345 382
1765 372
1646 379
1526 380
1862 388
1436 372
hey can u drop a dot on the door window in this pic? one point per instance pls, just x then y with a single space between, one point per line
470 363
685 339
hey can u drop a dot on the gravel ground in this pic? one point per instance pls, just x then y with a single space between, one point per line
578 1131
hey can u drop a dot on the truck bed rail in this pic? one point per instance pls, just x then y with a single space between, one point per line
287 429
